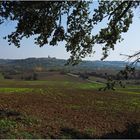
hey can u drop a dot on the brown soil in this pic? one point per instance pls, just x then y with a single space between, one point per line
76 113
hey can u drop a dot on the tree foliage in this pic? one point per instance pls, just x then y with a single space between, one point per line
44 20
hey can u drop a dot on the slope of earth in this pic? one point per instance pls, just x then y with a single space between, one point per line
66 108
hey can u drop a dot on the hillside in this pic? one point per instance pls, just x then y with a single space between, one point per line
41 98
53 63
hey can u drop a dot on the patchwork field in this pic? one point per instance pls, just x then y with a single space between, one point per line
67 107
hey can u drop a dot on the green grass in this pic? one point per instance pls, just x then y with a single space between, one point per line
89 85
11 86
22 90
30 120
74 107
90 131
134 103
133 89
126 91
16 90
13 129
7 125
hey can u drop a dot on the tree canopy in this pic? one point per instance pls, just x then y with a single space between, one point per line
46 19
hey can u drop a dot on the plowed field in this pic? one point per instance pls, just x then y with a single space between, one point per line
66 109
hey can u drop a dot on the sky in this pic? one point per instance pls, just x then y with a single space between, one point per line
28 49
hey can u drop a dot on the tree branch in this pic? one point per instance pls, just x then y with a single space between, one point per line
123 13
119 7
127 8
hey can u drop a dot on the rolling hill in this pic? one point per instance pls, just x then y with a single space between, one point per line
53 63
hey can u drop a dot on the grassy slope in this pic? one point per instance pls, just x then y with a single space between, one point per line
66 108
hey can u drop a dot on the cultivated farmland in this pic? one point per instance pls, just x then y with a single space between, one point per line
62 106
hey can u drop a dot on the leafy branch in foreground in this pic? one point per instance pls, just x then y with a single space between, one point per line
112 82
45 21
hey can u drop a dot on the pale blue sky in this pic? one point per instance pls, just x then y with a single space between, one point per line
29 49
